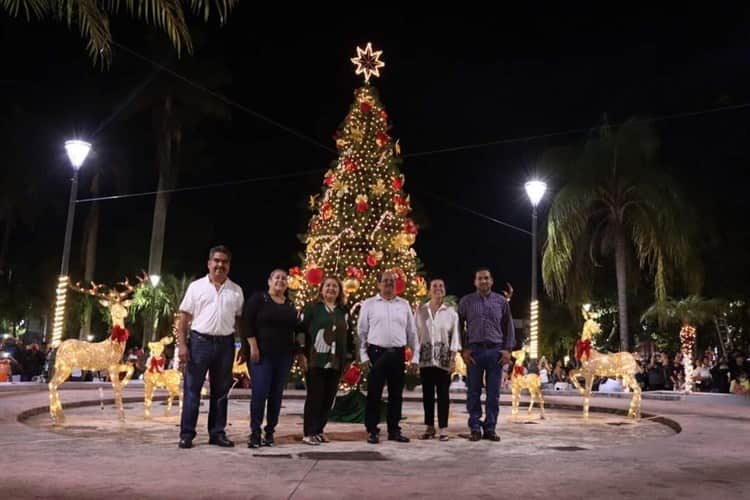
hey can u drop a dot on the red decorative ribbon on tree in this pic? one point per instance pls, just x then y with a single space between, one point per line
583 347
119 334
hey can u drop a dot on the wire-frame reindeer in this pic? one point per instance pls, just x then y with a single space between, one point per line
105 355
157 376
520 381
596 364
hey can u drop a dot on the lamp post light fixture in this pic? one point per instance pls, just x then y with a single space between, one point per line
77 152
535 190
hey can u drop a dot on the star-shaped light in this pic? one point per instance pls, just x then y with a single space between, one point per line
368 62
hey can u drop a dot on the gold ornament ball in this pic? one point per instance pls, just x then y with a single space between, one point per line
293 282
351 285
404 240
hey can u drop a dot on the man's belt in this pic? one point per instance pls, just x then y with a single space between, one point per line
377 348
212 338
486 345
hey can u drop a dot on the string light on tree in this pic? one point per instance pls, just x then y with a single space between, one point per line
687 339
359 226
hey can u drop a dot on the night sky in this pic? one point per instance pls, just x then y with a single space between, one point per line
454 79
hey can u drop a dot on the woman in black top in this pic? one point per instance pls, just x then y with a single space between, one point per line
269 320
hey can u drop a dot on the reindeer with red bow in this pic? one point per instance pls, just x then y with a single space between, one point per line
105 355
519 381
156 376
596 364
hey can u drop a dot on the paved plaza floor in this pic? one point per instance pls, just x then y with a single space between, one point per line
684 447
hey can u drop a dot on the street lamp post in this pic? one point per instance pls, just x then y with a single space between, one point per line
535 190
77 152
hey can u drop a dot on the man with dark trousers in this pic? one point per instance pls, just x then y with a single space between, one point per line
385 327
211 309
488 337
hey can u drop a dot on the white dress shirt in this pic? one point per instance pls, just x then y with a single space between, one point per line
437 335
213 311
386 323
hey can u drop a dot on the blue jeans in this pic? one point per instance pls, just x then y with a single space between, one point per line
216 357
268 377
485 367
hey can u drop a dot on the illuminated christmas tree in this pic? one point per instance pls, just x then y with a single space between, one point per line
361 224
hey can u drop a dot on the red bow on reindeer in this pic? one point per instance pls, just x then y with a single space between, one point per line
518 371
156 365
119 334
583 347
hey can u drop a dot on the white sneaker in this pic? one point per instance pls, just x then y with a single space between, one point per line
311 440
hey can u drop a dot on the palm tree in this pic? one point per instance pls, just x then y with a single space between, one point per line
92 18
690 312
178 112
160 305
115 171
616 202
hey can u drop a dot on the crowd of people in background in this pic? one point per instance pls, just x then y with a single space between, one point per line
26 361
661 372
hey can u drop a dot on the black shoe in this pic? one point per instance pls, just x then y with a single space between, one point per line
221 440
185 443
373 438
268 440
254 440
399 438
491 436
475 436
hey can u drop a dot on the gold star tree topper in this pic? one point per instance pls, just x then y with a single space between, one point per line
368 62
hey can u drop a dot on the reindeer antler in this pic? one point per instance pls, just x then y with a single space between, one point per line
142 279
95 290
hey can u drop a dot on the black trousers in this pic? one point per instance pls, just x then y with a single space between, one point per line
434 378
387 368
322 385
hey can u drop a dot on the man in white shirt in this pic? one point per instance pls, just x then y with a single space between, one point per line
385 327
211 308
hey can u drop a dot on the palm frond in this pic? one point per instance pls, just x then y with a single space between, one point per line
568 218
668 248
222 7
167 15
692 310
93 24
92 18
30 8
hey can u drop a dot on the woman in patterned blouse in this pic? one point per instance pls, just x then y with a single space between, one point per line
439 341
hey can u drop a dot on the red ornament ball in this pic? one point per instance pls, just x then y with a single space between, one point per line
353 374
314 276
400 285
407 354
